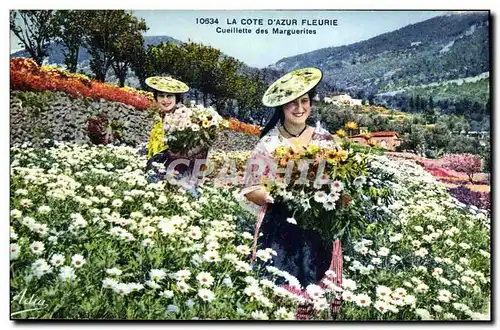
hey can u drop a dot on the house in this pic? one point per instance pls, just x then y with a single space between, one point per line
387 140
326 99
341 98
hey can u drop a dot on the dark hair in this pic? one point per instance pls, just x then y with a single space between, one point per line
178 97
279 115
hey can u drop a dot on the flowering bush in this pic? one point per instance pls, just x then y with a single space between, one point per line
325 188
186 128
467 163
469 197
93 239
220 159
98 129
25 74
238 126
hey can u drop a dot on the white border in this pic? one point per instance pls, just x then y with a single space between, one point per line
213 4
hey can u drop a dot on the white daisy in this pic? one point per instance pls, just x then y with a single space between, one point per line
167 294
383 252
182 286
349 285
381 306
205 279
148 242
157 274
320 197
182 275
15 249
37 247
67 273
211 256
57 260
77 260
259 315
383 292
243 249
206 295
109 283
362 300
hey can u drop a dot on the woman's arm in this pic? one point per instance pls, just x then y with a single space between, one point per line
253 191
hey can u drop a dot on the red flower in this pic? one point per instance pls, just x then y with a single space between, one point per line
345 199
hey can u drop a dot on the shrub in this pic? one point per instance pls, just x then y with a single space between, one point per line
467 163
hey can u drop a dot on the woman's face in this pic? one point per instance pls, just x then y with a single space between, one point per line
166 102
297 111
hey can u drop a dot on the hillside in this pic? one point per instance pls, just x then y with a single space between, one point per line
439 49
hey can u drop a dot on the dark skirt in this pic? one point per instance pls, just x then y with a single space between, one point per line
302 253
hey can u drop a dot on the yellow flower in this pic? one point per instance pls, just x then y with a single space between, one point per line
331 157
351 125
342 155
284 161
341 133
281 151
312 149
205 124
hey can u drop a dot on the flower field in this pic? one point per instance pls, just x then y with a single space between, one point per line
92 238
459 185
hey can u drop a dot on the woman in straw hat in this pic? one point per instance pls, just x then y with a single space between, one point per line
301 253
168 94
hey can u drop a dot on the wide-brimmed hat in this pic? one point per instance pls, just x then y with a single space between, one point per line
291 86
167 85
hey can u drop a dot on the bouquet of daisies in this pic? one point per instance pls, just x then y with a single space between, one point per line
189 128
325 188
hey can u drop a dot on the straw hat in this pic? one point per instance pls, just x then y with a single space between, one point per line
291 86
167 85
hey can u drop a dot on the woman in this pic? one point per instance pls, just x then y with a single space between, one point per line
301 253
168 96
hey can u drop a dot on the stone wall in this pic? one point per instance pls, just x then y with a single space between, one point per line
35 116
57 116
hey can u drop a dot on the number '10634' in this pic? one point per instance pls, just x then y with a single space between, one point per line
207 21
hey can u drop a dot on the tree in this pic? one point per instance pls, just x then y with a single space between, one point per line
140 65
108 39
249 91
418 103
415 140
466 163
70 31
431 102
36 31
226 82
127 46
411 104
205 64
487 107
371 99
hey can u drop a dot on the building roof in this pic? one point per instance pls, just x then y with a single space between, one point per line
378 134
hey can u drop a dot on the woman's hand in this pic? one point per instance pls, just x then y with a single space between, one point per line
260 196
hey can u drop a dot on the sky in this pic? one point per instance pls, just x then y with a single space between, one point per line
260 50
